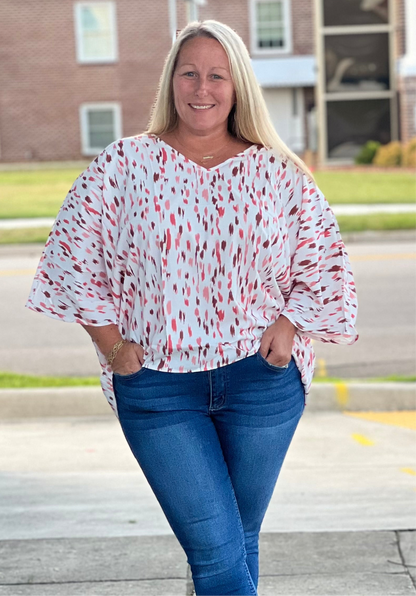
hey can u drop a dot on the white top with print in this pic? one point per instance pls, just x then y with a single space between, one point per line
194 263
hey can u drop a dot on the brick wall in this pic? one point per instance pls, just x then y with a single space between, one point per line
406 86
407 89
399 27
42 85
303 27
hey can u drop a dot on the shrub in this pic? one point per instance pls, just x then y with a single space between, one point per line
388 155
367 152
409 154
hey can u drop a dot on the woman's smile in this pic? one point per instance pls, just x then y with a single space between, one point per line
202 106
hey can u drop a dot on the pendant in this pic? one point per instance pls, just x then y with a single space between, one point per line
208 157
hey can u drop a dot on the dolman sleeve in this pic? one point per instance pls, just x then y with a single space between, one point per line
322 300
72 279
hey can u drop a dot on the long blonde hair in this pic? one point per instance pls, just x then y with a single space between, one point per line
249 119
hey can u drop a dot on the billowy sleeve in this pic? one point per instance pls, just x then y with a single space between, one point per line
71 282
322 301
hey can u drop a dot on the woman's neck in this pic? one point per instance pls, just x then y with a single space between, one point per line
202 144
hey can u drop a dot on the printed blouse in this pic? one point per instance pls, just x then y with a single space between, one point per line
194 263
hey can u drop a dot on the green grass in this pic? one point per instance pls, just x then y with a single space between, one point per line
347 223
34 194
376 221
10 380
390 379
40 193
367 187
24 235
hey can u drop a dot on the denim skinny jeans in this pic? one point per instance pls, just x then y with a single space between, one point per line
211 445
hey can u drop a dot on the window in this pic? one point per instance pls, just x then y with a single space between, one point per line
100 126
95 32
351 124
355 12
270 26
357 62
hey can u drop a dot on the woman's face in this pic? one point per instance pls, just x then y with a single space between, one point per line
202 86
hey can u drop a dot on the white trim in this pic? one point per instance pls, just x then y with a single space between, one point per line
173 20
406 68
81 58
287 16
286 71
355 95
351 29
409 59
83 112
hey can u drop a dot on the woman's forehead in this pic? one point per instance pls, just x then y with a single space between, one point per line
203 48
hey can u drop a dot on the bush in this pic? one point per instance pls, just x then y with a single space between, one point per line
409 154
367 152
389 155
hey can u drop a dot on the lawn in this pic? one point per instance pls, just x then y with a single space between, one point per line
34 194
10 380
40 193
24 235
376 221
367 187
347 223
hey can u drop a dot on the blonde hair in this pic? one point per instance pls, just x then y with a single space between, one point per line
249 119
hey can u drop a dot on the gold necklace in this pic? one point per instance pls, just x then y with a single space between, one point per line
204 158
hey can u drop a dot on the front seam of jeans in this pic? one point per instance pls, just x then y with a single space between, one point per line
250 579
210 391
238 520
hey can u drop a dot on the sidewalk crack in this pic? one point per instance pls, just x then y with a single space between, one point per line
90 581
399 548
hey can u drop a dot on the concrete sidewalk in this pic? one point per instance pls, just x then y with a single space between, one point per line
78 516
297 564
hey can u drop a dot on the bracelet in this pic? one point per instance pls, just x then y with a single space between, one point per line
115 350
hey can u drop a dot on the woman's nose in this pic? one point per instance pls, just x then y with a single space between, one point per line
201 88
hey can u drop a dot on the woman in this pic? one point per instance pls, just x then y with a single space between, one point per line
203 246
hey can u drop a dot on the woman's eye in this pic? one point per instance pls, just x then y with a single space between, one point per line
189 73
217 76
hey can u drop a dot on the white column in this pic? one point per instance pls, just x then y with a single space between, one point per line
408 62
173 22
191 10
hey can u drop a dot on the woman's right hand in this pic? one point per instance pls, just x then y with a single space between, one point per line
129 359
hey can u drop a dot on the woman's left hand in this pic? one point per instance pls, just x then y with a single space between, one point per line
278 340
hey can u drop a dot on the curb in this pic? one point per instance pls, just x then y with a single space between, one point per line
53 402
90 401
376 236
361 397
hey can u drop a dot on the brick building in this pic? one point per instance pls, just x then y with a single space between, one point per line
74 75
406 67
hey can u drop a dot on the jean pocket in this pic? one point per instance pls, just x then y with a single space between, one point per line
281 369
130 376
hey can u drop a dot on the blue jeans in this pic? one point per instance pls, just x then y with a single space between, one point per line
211 445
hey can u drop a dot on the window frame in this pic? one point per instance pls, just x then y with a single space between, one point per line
287 26
84 108
79 44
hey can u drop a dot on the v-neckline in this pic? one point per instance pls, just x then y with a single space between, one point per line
187 159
